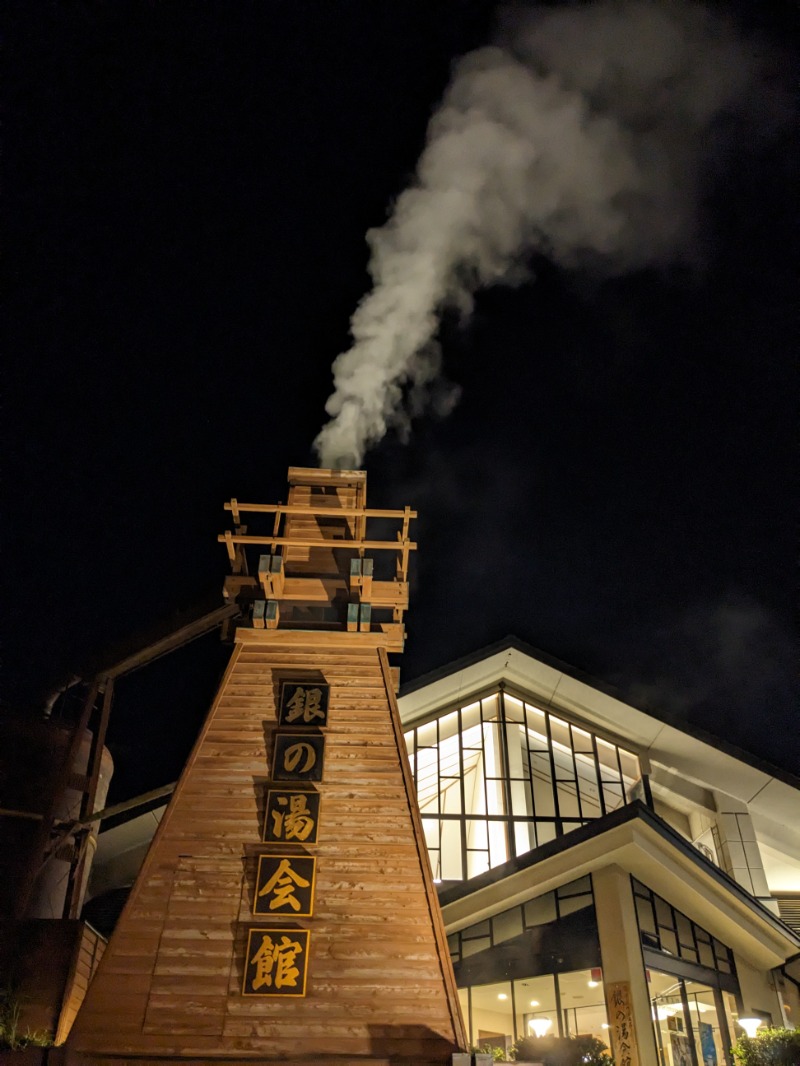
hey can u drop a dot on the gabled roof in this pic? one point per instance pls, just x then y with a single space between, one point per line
681 756
462 672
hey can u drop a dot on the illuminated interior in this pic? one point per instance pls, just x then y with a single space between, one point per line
563 1004
500 777
694 1023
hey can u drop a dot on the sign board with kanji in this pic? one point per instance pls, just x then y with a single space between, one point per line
276 962
298 757
291 817
303 703
285 885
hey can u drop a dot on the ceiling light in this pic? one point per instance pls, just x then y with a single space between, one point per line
605 1025
502 995
534 1002
662 1013
593 984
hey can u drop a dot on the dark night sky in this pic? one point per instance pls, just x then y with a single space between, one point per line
188 189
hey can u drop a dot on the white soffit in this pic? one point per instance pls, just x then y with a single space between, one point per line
782 871
639 849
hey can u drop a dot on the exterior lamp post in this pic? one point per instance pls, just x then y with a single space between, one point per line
539 1026
750 1025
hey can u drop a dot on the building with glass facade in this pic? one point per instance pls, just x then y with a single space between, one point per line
582 846
600 870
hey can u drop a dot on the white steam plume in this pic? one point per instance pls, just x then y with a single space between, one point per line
582 135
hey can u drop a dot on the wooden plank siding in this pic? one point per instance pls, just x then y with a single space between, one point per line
380 984
90 948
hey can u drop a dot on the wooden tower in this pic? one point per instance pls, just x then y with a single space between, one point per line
286 910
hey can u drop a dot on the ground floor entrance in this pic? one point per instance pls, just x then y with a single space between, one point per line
693 1021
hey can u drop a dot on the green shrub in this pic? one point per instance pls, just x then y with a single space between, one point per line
498 1055
11 1037
565 1051
769 1047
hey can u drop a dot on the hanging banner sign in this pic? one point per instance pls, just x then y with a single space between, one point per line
620 1016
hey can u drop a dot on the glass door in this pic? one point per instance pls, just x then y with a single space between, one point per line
711 1037
690 1025
670 1021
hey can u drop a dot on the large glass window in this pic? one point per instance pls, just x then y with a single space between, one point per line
663 928
499 777
691 978
551 907
561 1004
533 969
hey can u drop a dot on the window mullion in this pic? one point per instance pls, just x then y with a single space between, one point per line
553 780
511 844
575 771
599 772
462 786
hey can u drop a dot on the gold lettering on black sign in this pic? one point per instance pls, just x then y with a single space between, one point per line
303 703
298 757
276 963
285 885
291 817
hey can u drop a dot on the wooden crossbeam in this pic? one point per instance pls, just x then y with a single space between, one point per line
308 590
317 476
231 539
324 510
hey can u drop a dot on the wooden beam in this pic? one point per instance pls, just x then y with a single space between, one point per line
389 636
308 590
191 631
227 537
312 475
317 542
6 812
132 804
322 510
73 901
